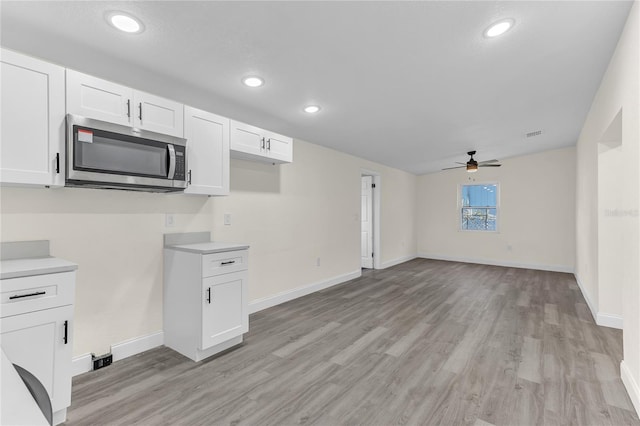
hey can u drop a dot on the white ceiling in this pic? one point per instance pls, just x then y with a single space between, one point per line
412 85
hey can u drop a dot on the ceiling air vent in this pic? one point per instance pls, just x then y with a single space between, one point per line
532 134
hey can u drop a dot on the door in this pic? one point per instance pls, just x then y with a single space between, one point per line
99 99
157 114
41 342
366 217
207 137
224 316
32 116
247 139
279 148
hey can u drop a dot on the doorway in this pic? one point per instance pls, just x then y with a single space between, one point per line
369 214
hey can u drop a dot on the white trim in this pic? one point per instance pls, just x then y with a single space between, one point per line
285 296
592 307
609 320
136 345
631 385
81 364
602 319
553 268
397 261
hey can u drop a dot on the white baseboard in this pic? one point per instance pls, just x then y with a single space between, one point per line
136 345
609 320
508 264
397 261
285 296
631 385
592 307
601 318
82 364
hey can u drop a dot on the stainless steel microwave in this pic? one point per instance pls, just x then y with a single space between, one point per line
107 155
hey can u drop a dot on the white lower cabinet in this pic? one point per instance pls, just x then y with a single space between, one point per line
205 301
36 332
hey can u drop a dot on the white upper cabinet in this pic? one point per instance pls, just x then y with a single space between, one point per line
33 125
158 114
207 137
93 97
99 99
253 143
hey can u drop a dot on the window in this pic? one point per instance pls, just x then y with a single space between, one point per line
479 207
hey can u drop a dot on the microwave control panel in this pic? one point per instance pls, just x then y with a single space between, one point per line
181 163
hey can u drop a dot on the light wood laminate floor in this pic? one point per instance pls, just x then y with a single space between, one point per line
425 342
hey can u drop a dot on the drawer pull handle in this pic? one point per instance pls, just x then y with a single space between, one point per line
37 293
209 295
228 263
65 339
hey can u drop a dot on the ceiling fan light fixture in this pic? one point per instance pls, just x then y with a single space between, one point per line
472 167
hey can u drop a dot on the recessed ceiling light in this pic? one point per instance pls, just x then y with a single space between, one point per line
499 28
125 22
253 81
311 109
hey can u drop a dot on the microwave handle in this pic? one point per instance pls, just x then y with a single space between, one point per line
172 161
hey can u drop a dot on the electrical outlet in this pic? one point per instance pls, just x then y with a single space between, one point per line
227 218
169 220
101 361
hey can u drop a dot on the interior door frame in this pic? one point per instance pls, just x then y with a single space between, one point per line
375 194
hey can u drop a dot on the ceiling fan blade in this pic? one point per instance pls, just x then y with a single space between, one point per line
464 164
489 165
487 161
459 167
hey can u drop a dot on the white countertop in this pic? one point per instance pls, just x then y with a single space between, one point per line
37 266
209 247
18 406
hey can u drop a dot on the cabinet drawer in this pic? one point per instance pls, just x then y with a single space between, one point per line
35 293
224 263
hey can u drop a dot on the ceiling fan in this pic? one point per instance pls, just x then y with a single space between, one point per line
472 165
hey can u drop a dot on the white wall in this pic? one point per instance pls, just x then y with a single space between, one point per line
536 215
290 214
618 92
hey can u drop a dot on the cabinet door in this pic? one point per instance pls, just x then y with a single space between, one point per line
93 97
36 342
224 312
207 137
158 114
32 116
247 139
279 148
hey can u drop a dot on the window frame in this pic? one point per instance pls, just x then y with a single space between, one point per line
460 206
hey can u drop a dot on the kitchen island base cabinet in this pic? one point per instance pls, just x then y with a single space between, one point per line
205 301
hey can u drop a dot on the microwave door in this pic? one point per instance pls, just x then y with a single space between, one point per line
109 153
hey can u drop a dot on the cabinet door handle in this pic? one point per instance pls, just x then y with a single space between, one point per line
209 295
37 293
65 338
262 143
140 109
58 162
228 262
129 108
269 144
